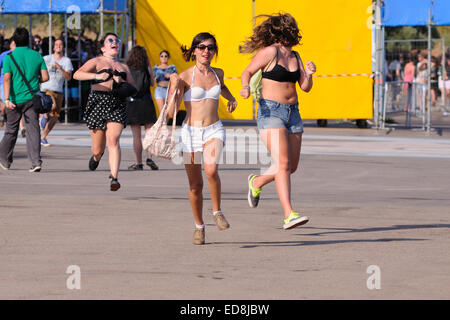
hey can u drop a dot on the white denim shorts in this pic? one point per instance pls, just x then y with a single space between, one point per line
193 139
445 83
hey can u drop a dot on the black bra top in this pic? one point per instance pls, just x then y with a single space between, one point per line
280 74
111 73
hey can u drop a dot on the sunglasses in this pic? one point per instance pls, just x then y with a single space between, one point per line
163 56
210 47
116 40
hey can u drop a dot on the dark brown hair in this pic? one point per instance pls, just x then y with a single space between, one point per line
278 28
165 51
137 58
188 54
21 37
106 36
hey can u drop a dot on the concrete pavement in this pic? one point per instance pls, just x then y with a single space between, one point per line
374 199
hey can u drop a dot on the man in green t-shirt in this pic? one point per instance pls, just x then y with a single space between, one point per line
19 100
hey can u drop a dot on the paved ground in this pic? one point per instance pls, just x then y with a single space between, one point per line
375 198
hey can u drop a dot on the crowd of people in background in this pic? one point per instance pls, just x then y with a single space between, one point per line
66 57
88 49
412 67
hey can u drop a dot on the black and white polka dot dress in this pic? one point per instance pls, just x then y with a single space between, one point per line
104 106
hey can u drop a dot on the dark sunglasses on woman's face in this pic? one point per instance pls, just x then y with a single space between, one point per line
210 47
116 40
164 56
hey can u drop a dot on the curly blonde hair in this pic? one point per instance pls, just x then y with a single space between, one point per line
278 28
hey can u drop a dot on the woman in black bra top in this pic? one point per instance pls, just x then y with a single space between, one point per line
105 111
279 122
280 74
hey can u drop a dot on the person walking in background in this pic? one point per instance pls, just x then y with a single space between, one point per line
37 44
422 73
409 71
105 110
434 80
444 79
140 110
420 61
395 74
19 99
3 55
60 69
72 85
162 74
2 114
12 46
202 132
45 43
395 68
279 122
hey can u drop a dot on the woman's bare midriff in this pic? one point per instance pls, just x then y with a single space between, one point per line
163 84
282 92
201 113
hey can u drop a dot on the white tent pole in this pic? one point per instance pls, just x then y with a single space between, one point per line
80 63
66 99
378 63
50 27
115 16
126 33
30 24
122 24
101 19
444 72
429 72
253 26
133 22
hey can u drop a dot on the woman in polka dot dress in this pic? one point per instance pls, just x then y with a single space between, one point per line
105 112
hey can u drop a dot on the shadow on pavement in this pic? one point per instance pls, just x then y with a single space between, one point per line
377 229
250 245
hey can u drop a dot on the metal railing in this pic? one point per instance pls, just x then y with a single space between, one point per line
408 98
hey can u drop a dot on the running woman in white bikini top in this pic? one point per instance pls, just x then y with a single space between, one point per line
199 94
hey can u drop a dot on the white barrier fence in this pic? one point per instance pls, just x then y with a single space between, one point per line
408 98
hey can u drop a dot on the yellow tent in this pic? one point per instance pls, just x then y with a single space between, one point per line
336 37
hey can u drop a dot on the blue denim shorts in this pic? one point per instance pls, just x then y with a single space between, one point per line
272 114
160 92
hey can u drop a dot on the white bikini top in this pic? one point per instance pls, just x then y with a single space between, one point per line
199 94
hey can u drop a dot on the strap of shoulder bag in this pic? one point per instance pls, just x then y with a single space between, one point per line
170 101
21 74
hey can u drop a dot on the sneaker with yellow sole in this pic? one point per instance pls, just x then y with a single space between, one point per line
294 220
253 193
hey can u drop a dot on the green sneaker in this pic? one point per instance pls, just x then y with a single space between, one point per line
294 220
253 193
